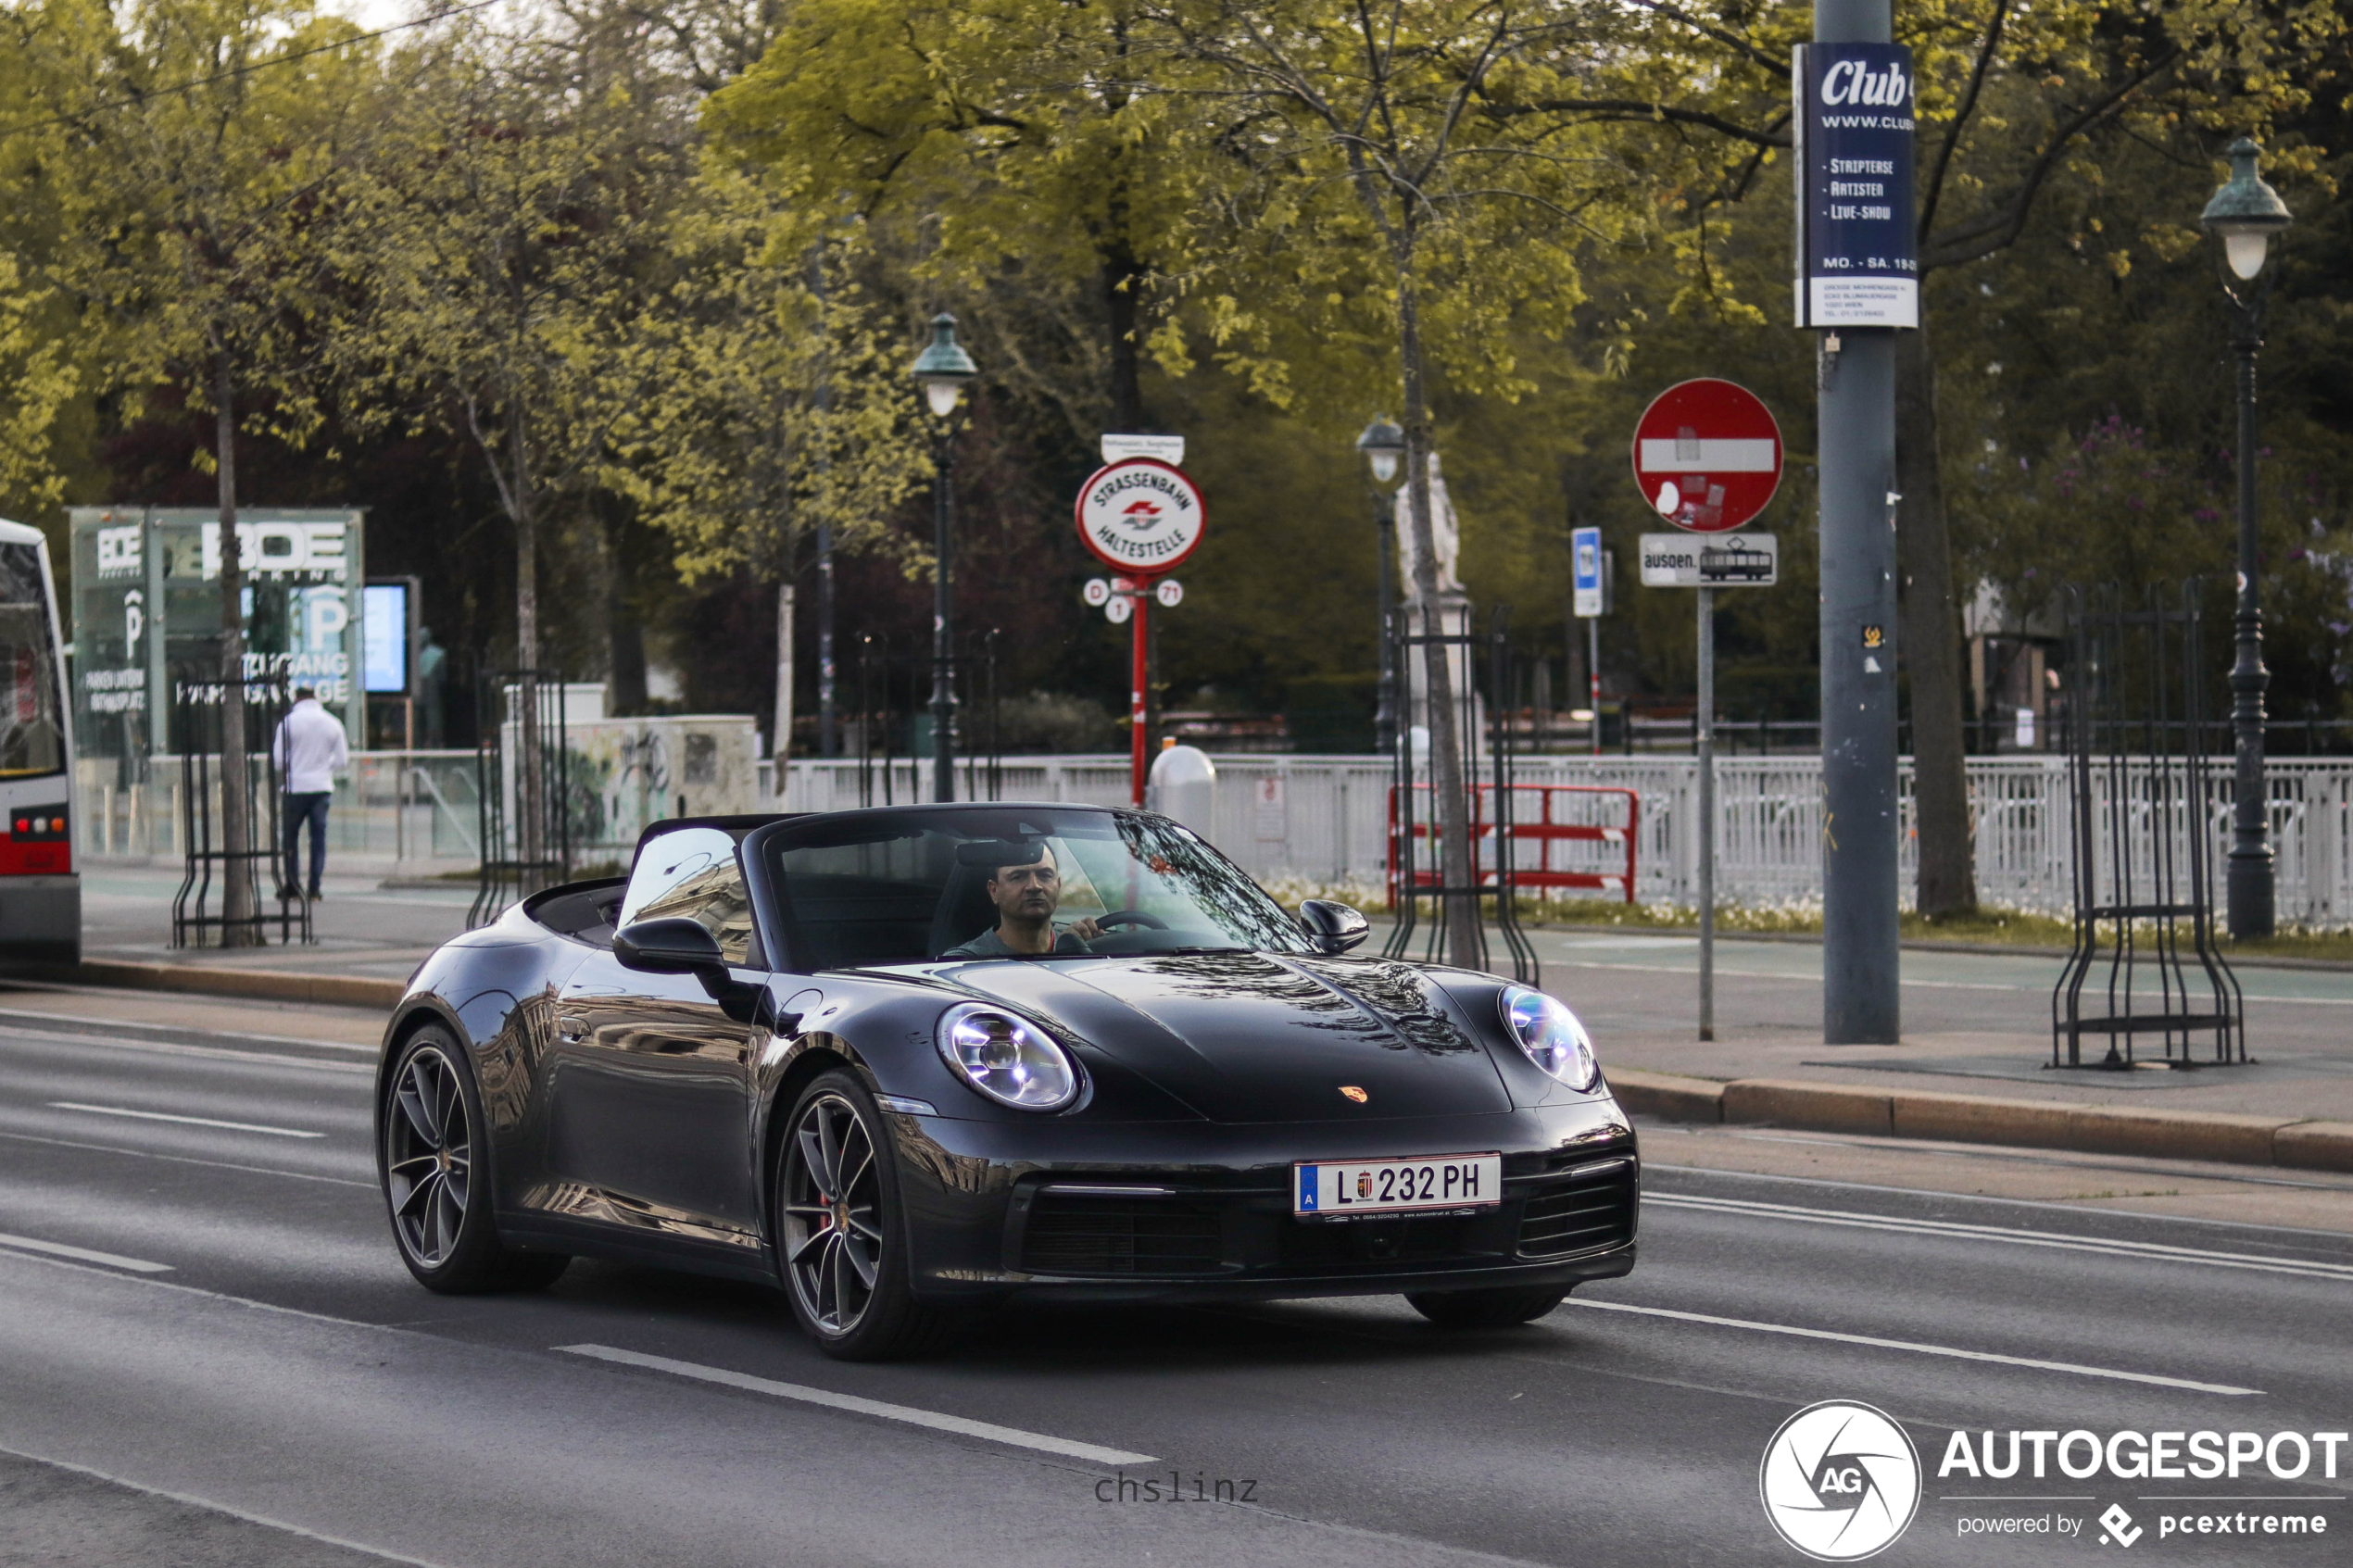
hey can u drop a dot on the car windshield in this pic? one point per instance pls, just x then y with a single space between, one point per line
908 886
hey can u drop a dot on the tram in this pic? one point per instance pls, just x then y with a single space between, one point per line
40 890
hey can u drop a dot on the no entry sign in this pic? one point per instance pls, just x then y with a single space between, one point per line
1707 455
1141 516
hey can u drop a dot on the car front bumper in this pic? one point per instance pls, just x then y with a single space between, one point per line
1192 1211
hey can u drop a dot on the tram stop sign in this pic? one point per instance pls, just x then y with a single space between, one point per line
1707 455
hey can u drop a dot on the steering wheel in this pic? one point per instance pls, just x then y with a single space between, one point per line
1130 916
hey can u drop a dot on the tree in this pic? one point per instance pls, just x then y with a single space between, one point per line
1020 137
497 268
2012 102
1443 154
209 155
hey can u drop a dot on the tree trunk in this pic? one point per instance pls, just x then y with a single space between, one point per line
1460 909
529 786
624 632
782 743
1932 642
239 890
1123 278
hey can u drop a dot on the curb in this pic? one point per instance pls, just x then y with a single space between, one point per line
2221 1136
260 984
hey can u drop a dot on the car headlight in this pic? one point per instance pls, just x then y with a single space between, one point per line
1551 1035
1010 1060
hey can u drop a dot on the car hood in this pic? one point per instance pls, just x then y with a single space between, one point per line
1248 1036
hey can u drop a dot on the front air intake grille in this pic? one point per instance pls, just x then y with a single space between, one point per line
1120 1236
1587 1210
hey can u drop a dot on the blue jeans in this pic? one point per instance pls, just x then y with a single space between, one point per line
311 806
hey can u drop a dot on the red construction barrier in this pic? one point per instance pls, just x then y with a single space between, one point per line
1537 812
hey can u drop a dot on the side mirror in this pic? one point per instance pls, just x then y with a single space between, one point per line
677 946
1335 927
668 947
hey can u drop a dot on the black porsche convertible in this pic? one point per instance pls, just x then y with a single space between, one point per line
913 1063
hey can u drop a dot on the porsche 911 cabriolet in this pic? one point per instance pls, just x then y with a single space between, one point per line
911 1063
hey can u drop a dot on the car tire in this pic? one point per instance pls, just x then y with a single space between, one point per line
840 1231
1486 1309
437 1188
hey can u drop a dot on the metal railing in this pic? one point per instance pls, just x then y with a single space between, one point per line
1327 824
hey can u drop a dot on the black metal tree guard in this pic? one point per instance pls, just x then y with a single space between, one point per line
1410 776
198 921
2139 839
972 667
510 869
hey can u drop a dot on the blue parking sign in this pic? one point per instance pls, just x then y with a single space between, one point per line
1591 589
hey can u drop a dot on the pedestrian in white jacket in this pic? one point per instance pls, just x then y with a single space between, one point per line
309 751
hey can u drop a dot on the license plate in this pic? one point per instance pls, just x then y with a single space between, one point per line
1328 1189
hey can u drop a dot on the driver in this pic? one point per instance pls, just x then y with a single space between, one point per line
1026 896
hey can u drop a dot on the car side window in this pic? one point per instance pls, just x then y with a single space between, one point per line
692 874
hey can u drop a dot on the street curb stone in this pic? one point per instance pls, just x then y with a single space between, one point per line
1835 1107
261 984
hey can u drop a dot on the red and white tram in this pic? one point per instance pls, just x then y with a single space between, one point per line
40 890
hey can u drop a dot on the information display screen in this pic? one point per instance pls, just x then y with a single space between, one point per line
384 637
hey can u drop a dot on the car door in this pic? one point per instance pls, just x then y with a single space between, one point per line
650 1099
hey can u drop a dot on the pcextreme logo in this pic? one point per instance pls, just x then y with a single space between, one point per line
1840 1481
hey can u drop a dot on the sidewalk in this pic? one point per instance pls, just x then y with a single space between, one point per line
1974 1061
363 930
1973 1065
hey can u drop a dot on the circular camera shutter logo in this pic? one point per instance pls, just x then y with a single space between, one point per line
1840 1481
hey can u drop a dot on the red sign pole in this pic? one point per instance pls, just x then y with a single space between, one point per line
1137 688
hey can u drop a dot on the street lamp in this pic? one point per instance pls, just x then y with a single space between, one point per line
943 371
1383 444
2246 213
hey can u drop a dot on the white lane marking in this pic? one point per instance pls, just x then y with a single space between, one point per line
187 1160
386 1553
9 1035
2029 1156
189 1120
84 1255
92 1028
2114 1247
1011 1436
1914 1347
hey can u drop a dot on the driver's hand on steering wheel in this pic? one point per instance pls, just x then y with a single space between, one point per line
1086 930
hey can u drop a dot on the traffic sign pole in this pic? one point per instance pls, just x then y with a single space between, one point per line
1138 685
1861 953
1141 516
1707 813
1707 455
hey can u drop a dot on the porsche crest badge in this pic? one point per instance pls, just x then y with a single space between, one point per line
1353 1092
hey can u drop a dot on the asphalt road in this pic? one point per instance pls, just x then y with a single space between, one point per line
208 1352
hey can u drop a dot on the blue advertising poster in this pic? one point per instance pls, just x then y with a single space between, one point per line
1857 261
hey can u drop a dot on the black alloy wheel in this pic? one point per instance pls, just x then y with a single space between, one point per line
1498 1308
840 1242
435 1188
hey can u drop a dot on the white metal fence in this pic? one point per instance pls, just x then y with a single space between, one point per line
1321 820
400 805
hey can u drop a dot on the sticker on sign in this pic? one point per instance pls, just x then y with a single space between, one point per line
1679 561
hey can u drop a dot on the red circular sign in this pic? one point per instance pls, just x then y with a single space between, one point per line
1139 516
1707 455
